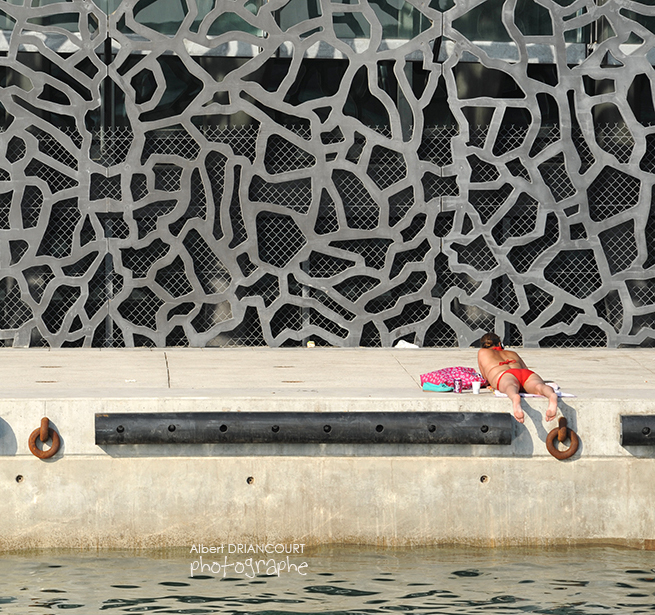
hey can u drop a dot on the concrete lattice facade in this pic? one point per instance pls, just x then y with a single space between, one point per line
224 173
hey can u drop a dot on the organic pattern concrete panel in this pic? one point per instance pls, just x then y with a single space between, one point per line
227 173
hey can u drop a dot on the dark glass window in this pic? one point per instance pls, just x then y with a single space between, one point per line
398 18
166 16
484 22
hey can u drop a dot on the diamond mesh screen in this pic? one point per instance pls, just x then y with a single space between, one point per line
266 173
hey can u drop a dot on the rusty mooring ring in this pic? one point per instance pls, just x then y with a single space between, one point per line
39 433
561 433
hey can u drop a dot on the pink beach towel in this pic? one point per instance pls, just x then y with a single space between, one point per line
447 376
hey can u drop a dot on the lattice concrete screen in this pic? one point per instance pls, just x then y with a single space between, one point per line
238 173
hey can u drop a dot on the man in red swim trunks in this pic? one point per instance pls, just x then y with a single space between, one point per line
507 372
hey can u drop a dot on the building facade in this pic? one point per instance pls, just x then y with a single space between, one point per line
355 172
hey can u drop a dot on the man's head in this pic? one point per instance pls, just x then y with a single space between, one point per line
489 340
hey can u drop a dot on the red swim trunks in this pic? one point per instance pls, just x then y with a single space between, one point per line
520 374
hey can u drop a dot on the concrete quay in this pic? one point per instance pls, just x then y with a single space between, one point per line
126 496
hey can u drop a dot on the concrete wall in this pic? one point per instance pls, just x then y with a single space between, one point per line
150 496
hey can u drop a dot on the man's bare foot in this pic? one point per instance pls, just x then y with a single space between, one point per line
551 413
518 413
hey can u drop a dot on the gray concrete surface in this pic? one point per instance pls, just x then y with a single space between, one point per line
119 496
325 372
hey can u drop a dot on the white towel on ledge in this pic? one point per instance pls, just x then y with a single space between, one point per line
559 394
557 390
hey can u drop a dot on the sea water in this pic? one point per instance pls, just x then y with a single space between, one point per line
335 581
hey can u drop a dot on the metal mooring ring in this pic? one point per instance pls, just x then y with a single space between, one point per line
561 433
38 434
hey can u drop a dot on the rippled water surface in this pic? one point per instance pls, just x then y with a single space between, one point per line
335 581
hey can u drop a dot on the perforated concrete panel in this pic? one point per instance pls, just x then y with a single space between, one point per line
218 173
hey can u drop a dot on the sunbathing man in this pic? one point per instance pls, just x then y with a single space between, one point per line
506 371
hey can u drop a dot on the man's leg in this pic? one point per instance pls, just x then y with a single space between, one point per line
510 386
534 384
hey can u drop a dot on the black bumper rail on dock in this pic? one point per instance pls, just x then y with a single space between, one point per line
637 429
304 427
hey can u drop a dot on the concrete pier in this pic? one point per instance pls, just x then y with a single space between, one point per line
418 494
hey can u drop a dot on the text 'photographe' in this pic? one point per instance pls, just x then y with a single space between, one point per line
263 559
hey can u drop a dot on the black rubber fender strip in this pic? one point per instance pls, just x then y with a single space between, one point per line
304 427
637 430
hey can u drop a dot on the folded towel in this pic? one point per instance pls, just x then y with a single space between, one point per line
559 394
440 388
